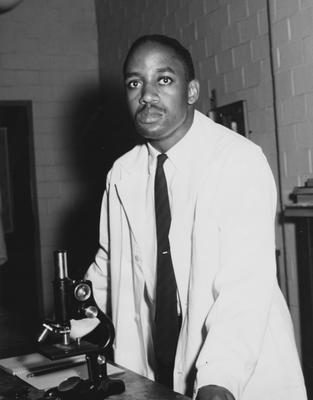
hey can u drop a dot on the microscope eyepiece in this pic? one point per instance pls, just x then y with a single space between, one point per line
60 262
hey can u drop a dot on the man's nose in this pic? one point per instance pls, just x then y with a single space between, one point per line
149 94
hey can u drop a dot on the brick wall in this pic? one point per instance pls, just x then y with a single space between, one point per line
229 42
48 54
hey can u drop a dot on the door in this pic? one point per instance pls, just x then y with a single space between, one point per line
19 294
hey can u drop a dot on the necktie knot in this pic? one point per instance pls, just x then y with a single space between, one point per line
161 159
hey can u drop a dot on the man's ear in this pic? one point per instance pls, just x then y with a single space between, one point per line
193 91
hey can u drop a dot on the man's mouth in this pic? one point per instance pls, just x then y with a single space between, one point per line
149 115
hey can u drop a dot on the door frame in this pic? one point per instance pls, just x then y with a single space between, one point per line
33 193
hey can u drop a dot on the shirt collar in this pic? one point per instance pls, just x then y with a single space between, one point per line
152 155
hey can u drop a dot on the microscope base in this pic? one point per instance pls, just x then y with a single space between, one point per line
77 389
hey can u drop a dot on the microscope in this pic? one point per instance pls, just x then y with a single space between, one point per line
73 300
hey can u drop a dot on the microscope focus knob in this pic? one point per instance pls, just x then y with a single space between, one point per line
82 292
91 312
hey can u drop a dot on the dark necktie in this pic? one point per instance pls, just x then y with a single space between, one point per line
166 318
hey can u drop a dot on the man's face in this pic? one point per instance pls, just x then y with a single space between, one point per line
159 97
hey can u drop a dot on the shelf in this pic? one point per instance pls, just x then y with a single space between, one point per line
299 210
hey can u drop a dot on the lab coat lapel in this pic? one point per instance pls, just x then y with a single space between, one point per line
131 190
180 234
131 193
186 186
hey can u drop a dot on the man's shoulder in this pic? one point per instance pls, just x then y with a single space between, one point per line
219 138
132 159
231 155
131 155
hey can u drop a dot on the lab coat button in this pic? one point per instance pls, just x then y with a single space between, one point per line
137 258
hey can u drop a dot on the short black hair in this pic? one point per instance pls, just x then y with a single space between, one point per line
181 52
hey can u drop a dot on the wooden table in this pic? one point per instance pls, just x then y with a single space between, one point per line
137 388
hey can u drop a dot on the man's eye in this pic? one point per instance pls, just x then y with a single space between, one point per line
133 84
165 80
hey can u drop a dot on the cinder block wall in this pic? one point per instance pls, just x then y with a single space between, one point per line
48 54
229 41
293 57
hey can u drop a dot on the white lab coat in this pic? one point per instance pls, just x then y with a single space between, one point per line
236 329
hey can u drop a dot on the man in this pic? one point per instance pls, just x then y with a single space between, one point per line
232 336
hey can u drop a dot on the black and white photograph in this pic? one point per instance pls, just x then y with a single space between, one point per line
156 199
